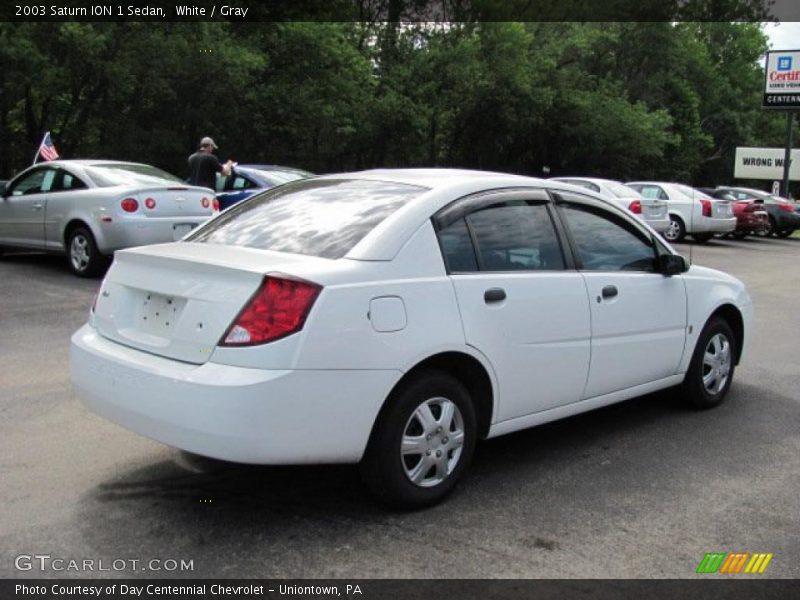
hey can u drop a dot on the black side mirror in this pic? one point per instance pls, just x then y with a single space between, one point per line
2 189
672 264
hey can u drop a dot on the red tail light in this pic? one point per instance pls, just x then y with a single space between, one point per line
215 204
786 207
279 308
150 203
205 202
129 205
635 207
706 207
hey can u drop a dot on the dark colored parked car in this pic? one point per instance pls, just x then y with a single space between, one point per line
246 180
751 216
783 220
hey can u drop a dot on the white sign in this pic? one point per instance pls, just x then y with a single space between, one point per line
765 163
782 79
776 188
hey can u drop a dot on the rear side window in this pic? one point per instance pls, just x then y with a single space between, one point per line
653 192
316 217
513 235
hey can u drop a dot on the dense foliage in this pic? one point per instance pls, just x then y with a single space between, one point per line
624 100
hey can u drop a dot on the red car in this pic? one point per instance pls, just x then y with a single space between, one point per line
751 216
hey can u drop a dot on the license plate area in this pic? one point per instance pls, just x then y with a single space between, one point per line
158 314
179 230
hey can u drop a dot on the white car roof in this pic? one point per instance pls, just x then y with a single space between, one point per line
444 186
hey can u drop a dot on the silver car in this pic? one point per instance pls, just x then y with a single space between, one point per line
652 211
87 209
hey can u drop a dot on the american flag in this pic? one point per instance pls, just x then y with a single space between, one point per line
47 150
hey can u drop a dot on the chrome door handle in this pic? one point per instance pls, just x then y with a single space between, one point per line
37 206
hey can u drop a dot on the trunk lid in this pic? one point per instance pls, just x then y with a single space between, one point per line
721 209
654 210
178 300
175 201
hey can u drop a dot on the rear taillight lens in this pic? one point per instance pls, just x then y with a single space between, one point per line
706 204
129 205
279 308
215 204
150 203
635 207
205 202
787 207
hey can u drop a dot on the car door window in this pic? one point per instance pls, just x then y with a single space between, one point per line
240 183
604 242
36 182
515 236
220 183
457 248
69 182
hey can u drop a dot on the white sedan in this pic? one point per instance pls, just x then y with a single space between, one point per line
392 318
691 211
651 210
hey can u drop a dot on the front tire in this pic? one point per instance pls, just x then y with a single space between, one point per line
422 442
676 230
784 233
83 256
711 371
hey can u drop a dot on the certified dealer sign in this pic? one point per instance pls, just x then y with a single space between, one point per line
782 79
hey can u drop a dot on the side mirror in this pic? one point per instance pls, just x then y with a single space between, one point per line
3 189
672 264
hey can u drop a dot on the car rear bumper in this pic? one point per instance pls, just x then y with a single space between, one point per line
713 225
659 225
230 413
126 232
752 222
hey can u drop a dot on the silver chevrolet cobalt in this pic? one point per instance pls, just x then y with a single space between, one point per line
87 209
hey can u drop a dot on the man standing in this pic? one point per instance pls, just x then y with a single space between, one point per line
204 165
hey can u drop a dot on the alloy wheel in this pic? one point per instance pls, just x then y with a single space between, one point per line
79 252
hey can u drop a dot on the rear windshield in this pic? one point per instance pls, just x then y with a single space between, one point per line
111 174
317 217
622 191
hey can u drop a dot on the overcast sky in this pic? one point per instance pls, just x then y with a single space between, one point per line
784 36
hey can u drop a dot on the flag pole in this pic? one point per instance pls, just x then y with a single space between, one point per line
39 148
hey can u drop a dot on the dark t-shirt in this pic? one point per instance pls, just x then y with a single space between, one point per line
203 169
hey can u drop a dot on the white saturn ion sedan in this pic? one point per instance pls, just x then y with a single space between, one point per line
394 318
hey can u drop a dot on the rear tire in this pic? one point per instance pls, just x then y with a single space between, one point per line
83 257
769 229
422 442
711 370
676 230
785 233
739 235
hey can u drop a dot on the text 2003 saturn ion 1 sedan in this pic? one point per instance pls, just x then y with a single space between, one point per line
393 318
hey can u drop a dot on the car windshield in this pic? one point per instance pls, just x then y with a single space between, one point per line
621 191
690 191
279 177
317 217
112 174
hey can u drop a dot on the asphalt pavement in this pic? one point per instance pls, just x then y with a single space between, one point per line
640 489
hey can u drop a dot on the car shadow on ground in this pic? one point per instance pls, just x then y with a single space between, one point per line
41 263
242 491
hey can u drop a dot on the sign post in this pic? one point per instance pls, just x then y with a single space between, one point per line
782 92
